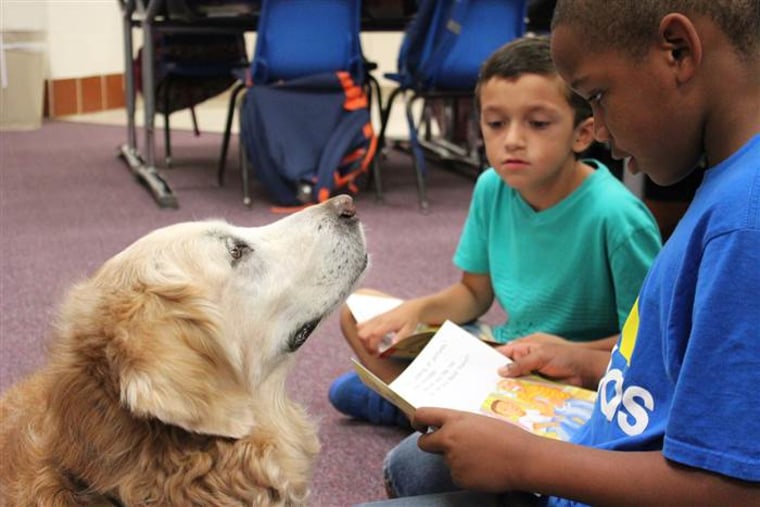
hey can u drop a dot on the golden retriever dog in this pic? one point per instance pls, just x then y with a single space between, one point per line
165 383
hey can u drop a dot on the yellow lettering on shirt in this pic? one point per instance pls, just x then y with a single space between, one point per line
630 331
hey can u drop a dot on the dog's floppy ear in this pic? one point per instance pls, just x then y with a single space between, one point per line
167 354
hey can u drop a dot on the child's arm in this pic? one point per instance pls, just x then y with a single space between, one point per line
463 301
486 454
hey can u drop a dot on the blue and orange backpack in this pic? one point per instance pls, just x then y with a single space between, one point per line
308 138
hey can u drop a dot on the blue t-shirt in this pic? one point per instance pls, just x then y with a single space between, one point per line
684 375
573 269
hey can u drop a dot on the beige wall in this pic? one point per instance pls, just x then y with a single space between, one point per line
23 14
84 37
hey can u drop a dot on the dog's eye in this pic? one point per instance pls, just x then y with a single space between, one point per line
238 250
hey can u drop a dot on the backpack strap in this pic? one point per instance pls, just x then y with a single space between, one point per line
339 165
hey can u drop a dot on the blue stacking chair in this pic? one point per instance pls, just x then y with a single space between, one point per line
298 38
440 58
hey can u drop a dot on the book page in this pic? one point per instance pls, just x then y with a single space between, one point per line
371 380
455 370
365 306
458 371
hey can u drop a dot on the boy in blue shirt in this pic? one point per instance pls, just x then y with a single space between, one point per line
557 240
673 84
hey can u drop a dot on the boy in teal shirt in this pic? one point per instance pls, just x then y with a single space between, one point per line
557 240
571 269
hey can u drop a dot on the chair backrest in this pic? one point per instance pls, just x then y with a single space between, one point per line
297 38
191 67
445 48
417 44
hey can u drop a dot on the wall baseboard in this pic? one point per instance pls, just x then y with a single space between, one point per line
64 97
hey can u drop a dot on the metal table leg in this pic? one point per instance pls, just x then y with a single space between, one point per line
144 170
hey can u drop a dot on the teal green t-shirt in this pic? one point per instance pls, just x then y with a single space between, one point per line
574 269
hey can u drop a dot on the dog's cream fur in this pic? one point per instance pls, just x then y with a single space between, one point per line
166 381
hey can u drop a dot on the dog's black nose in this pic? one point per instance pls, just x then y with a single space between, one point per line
344 206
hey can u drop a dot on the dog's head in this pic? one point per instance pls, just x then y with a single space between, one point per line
197 322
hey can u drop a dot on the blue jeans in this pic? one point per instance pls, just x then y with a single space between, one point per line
422 479
410 471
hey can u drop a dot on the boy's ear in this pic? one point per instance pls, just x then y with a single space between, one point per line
682 45
584 135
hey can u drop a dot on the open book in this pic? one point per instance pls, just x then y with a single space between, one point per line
366 306
458 371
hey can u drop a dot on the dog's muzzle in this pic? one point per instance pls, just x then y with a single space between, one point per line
302 333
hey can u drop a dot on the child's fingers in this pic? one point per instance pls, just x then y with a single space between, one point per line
427 419
516 349
407 330
523 364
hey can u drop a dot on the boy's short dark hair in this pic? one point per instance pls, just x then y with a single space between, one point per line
527 55
631 25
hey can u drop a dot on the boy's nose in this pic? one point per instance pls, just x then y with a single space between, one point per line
512 136
601 133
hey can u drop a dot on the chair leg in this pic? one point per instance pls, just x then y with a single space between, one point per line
475 142
195 122
245 177
374 88
418 155
375 178
384 118
167 127
167 141
227 129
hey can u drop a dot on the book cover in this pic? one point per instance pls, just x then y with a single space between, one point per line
458 371
366 306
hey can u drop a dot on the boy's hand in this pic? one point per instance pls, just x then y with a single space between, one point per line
564 363
398 322
482 453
